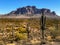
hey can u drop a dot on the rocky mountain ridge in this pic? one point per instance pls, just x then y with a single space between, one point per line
32 10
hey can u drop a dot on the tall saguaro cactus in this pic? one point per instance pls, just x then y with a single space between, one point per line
28 24
27 30
43 23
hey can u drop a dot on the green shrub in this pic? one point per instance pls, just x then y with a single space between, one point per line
21 36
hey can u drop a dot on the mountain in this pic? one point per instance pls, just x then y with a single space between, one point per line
30 12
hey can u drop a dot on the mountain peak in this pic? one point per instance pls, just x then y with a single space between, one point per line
32 10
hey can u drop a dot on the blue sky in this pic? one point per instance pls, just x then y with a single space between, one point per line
7 6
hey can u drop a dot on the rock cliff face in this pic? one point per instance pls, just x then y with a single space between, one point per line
32 10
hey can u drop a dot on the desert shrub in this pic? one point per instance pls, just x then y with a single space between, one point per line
21 36
55 33
21 30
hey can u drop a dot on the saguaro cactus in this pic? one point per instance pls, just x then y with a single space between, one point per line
27 30
43 23
28 27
